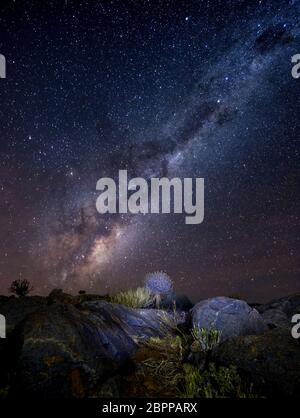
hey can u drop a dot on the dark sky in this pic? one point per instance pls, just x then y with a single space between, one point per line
160 88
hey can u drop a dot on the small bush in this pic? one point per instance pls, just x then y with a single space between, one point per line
192 379
170 347
21 287
133 298
165 366
215 382
4 392
168 320
162 362
207 338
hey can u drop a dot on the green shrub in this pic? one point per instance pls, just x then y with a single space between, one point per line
4 392
215 382
191 381
207 338
169 347
165 363
133 298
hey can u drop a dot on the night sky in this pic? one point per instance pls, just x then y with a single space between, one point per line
160 88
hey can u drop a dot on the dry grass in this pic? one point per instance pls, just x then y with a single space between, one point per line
133 298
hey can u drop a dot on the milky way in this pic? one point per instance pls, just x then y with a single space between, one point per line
195 89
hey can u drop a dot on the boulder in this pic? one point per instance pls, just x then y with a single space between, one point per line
59 296
231 317
276 318
178 302
270 361
64 351
59 352
136 323
279 312
16 309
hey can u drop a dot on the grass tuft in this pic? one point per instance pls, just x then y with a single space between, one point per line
207 338
215 382
133 298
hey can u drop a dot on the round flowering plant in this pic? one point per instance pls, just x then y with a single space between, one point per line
159 283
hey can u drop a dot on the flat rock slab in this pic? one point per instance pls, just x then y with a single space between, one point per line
136 323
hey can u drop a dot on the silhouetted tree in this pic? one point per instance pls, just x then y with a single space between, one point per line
21 287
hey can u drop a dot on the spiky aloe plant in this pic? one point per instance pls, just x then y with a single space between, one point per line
159 283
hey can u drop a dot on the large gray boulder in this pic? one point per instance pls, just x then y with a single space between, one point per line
231 317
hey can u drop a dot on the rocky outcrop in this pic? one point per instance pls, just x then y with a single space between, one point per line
60 354
136 323
178 302
231 317
278 313
59 296
16 309
65 346
270 361
65 351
